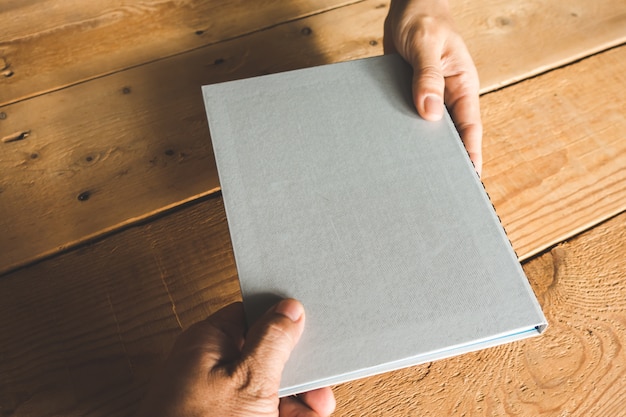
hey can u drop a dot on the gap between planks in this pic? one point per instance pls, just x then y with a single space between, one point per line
117 228
517 39
106 310
365 15
70 52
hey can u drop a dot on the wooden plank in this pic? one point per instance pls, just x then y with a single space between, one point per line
553 165
574 369
82 332
515 39
50 44
555 154
102 154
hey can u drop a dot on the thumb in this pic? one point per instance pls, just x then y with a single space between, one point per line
269 344
428 85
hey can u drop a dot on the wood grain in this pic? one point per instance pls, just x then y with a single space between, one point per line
575 369
515 39
555 151
50 44
133 144
102 154
116 153
554 148
82 332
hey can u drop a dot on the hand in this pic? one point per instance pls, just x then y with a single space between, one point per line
422 32
215 369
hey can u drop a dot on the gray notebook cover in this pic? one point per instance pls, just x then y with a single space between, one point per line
338 194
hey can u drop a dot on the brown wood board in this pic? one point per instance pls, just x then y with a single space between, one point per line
50 44
83 332
576 368
554 148
516 39
102 154
555 154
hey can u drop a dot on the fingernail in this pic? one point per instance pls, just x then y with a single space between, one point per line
291 309
433 105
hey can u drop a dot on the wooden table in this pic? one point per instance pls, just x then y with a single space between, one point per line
112 230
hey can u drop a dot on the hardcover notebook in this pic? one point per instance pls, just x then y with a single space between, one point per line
338 194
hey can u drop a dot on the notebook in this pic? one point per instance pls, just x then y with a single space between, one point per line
339 195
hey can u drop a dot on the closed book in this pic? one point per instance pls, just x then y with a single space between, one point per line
339 195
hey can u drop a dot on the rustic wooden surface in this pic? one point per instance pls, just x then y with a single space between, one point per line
555 151
577 368
140 135
112 231
50 44
82 332
516 39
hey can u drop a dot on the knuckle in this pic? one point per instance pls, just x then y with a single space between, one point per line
425 29
467 77
430 72
276 332
241 374
250 386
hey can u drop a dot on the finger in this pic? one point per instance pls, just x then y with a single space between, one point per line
428 79
465 111
389 46
466 115
463 102
293 407
268 345
427 93
471 134
322 401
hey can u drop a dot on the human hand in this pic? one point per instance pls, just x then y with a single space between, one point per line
422 32
216 369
